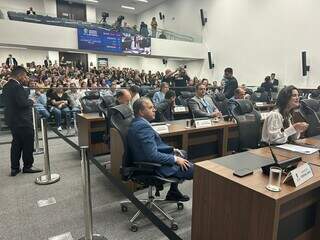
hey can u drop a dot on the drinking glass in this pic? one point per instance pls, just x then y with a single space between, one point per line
274 179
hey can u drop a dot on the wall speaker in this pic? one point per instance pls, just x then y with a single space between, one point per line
161 16
164 61
211 64
204 20
305 67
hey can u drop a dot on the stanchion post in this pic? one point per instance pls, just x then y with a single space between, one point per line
75 123
38 150
48 177
87 202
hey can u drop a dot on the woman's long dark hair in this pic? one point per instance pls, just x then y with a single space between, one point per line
283 99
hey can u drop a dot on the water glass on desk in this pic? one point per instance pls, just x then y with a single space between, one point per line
274 179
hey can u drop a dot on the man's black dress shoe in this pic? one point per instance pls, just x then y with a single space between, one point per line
31 170
177 196
14 172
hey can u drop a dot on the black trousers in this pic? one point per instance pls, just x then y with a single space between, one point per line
22 143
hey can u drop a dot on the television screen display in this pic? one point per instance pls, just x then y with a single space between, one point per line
111 41
99 40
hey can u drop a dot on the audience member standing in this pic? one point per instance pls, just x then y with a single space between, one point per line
267 85
154 26
18 117
11 61
47 62
230 83
169 77
30 11
273 79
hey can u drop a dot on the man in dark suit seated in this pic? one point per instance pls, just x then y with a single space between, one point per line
146 145
18 117
165 108
202 105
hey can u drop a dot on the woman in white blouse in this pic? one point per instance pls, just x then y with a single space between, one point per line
278 127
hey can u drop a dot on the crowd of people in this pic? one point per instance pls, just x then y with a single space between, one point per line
57 90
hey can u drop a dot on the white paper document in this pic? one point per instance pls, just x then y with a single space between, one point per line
297 148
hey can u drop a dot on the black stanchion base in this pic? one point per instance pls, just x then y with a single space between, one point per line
95 237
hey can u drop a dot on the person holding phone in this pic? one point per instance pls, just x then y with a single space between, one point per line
278 128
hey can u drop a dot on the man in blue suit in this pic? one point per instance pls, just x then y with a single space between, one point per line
146 145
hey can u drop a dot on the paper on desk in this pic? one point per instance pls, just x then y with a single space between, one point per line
299 149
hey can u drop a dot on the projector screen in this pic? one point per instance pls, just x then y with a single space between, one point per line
104 40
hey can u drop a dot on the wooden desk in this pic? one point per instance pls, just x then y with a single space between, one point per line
228 207
265 106
200 143
91 131
92 128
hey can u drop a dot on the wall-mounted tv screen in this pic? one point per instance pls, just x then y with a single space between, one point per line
111 41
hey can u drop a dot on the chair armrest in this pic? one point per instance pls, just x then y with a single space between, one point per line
147 164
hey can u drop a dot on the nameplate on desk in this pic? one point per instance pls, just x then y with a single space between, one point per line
203 123
300 175
161 128
179 109
260 104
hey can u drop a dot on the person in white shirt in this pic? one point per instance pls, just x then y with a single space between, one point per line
278 127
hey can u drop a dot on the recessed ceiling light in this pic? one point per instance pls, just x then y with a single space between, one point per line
127 7
93 1
145 1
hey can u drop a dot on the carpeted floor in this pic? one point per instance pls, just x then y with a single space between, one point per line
22 219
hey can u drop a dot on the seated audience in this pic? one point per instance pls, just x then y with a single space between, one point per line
159 96
146 145
165 108
123 96
60 103
39 99
278 127
74 97
202 105
239 93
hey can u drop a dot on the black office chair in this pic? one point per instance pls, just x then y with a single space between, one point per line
184 98
107 102
143 173
310 111
90 102
221 103
249 123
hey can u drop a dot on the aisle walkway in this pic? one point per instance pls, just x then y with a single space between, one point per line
22 219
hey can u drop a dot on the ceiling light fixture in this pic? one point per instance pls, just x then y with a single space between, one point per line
9 47
93 1
127 7
145 1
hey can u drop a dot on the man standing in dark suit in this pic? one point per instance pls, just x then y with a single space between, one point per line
230 83
47 62
18 117
146 145
11 61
